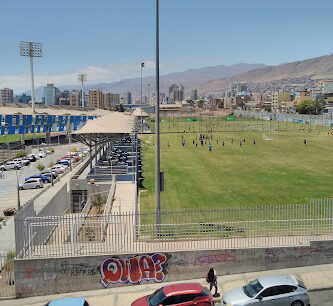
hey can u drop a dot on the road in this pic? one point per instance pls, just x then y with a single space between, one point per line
321 298
8 185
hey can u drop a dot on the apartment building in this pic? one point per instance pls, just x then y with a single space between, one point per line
6 95
96 99
111 100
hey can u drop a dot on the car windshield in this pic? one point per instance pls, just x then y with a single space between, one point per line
253 288
156 298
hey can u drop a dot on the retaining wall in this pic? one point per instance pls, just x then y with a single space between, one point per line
60 275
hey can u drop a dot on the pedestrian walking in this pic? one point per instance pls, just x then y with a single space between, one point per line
254 142
232 140
211 278
304 142
240 143
210 147
223 143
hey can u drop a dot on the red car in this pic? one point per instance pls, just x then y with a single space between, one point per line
184 294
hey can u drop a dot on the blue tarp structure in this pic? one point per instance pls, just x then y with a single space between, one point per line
8 119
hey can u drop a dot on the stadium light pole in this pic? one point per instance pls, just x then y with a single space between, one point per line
157 124
31 49
142 66
82 78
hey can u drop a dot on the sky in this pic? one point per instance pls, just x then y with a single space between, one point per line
107 39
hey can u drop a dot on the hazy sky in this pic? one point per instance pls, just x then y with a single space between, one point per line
107 39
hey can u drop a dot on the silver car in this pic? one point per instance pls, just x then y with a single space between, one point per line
32 183
281 290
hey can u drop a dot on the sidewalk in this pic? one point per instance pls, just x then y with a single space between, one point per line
315 278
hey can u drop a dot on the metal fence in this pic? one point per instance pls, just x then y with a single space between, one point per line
7 286
236 227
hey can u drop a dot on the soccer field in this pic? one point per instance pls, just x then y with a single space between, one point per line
281 170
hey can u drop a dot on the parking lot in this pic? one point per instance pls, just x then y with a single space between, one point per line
8 185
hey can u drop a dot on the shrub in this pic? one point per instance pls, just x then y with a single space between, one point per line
21 154
51 149
40 166
50 165
98 201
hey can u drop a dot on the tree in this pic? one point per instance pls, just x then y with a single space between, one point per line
310 107
40 167
201 103
268 108
98 201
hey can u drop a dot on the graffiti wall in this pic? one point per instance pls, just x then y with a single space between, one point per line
133 269
70 274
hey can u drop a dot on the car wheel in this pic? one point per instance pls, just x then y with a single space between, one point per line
297 303
20 188
37 186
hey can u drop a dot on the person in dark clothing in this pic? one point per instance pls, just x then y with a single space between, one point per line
212 280
305 142
254 142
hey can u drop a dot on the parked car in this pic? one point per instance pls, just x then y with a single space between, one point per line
47 172
178 294
31 184
31 157
11 165
41 154
279 290
48 152
63 162
24 161
44 178
68 302
58 168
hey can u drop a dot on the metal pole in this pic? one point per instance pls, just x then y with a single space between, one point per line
157 123
32 84
82 102
18 192
141 102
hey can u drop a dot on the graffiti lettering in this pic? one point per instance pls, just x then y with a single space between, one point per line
210 259
133 270
81 269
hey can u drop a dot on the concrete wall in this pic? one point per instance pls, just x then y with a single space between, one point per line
59 275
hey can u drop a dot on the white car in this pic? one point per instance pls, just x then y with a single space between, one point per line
11 165
58 168
32 183
48 152
24 162
41 154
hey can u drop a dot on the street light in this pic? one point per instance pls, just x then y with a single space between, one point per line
82 78
142 66
31 49
18 190
157 123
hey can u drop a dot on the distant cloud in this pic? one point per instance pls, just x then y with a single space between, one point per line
188 58
95 74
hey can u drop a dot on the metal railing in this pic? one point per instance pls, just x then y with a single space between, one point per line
190 229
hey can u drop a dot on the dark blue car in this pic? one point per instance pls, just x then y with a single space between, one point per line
62 162
45 179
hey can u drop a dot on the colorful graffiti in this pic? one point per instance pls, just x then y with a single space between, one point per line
133 269
215 258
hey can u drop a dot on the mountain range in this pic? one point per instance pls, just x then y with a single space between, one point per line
217 78
314 69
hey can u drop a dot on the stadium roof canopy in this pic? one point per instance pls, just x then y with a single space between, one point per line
106 128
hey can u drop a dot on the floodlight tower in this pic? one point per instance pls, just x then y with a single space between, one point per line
31 49
82 78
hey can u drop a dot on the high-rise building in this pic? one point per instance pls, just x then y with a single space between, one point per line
176 92
239 86
111 100
74 98
194 94
96 99
50 94
6 95
127 98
